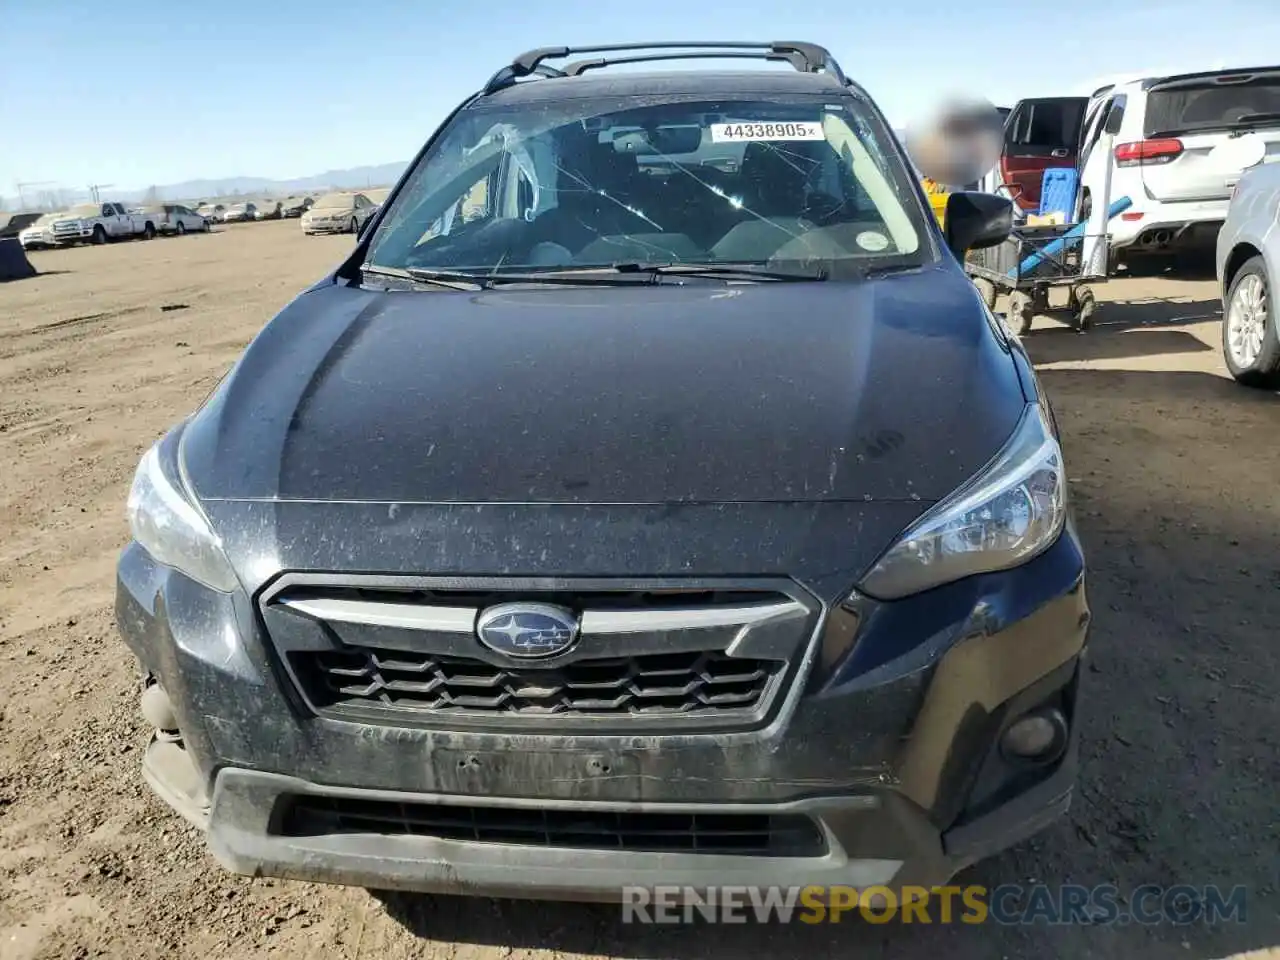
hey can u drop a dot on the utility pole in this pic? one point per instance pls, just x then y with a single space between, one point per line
25 185
94 189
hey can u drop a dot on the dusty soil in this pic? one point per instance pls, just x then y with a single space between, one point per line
1174 473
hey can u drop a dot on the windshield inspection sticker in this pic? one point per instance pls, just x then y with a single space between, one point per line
756 131
875 242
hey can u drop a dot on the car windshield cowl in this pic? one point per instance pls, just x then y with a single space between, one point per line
798 188
619 274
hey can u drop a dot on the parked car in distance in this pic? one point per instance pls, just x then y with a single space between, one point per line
295 206
240 212
1181 143
99 223
338 213
174 218
212 211
39 234
532 554
267 210
12 224
1248 268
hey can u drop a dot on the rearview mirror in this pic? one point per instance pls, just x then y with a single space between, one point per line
976 220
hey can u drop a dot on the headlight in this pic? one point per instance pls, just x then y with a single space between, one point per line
174 532
1011 511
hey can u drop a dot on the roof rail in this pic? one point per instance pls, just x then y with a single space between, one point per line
805 57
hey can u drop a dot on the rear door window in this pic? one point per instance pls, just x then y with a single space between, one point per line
1040 134
1046 127
1215 102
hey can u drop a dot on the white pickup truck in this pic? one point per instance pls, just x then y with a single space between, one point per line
90 223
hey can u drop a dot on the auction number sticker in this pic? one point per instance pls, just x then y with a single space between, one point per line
756 131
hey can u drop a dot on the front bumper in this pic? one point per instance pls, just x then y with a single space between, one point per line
326 226
894 759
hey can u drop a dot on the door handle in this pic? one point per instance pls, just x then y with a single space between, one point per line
1058 153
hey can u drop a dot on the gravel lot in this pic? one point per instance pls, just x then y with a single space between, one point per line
1174 471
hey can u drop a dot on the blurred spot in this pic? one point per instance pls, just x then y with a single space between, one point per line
956 142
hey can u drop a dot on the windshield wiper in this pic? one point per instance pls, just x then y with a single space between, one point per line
562 278
614 275
1251 120
717 271
436 278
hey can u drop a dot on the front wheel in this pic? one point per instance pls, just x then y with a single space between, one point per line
181 228
1249 343
99 234
355 226
1022 311
987 290
1083 304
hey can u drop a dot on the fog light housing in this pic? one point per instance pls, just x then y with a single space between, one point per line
1039 737
157 709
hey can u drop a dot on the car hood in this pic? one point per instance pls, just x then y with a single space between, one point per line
889 389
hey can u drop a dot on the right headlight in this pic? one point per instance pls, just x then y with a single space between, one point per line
1013 510
170 528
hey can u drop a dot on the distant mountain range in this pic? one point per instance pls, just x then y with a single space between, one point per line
353 178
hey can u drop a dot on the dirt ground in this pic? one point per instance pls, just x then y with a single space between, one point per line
1175 481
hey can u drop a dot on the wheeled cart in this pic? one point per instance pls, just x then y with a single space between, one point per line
1034 261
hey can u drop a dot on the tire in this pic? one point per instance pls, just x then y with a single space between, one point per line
988 291
1083 305
180 229
1022 312
1249 343
149 232
355 225
99 235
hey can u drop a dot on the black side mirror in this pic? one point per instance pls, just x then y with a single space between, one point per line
976 220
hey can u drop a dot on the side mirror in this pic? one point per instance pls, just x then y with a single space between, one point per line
976 220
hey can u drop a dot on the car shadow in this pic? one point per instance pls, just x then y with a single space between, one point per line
1123 329
1063 345
1190 267
1177 752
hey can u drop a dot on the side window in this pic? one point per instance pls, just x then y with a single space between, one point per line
1115 115
106 210
524 196
471 205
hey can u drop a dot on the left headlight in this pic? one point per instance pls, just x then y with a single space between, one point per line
165 523
1013 510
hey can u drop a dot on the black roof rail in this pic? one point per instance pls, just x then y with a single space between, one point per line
805 57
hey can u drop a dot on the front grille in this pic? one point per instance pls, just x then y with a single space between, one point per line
734 834
714 656
655 684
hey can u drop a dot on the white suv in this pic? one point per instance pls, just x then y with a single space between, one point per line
1181 144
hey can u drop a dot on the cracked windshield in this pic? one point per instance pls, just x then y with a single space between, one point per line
586 185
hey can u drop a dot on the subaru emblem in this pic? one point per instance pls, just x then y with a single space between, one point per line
527 631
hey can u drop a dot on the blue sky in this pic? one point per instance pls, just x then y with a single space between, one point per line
140 92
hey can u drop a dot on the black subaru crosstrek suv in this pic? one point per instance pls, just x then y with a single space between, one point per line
649 498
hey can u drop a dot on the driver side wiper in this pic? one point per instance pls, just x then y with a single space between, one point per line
452 281
726 271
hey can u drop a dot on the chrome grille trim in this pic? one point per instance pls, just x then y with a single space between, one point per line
409 616
373 624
